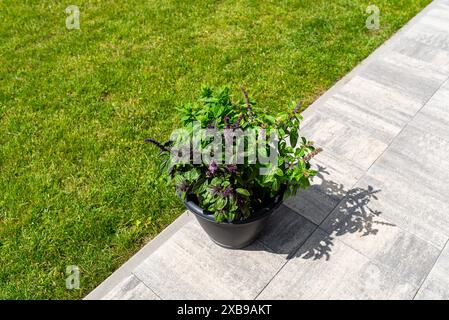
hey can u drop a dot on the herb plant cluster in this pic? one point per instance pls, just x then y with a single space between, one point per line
235 191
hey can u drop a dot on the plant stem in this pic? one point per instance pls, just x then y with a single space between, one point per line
312 154
248 104
157 144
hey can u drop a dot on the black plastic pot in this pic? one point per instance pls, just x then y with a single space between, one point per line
234 235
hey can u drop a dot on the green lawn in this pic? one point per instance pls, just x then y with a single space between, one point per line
77 184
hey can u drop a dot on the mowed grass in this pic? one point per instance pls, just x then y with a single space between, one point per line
77 184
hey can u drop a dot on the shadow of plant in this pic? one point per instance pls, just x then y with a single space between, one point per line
351 214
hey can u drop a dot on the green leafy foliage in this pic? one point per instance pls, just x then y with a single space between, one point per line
234 190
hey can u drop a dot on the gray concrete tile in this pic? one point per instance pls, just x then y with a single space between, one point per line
410 206
411 77
342 273
432 29
286 231
361 227
417 152
422 144
365 120
437 58
415 169
436 286
412 176
343 139
437 17
191 266
434 116
335 177
421 68
390 105
130 288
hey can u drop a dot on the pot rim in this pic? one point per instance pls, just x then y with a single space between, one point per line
257 215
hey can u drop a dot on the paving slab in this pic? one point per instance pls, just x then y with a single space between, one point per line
344 274
436 286
371 121
411 177
414 209
286 231
335 177
406 75
343 139
191 266
432 29
419 157
396 108
438 58
131 288
358 224
434 116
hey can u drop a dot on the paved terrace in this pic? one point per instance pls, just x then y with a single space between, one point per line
375 224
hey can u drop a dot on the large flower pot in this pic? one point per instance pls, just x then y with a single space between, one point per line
237 234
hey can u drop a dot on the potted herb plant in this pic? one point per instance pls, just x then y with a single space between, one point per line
233 166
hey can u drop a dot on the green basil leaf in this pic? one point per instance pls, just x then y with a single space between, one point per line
243 192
